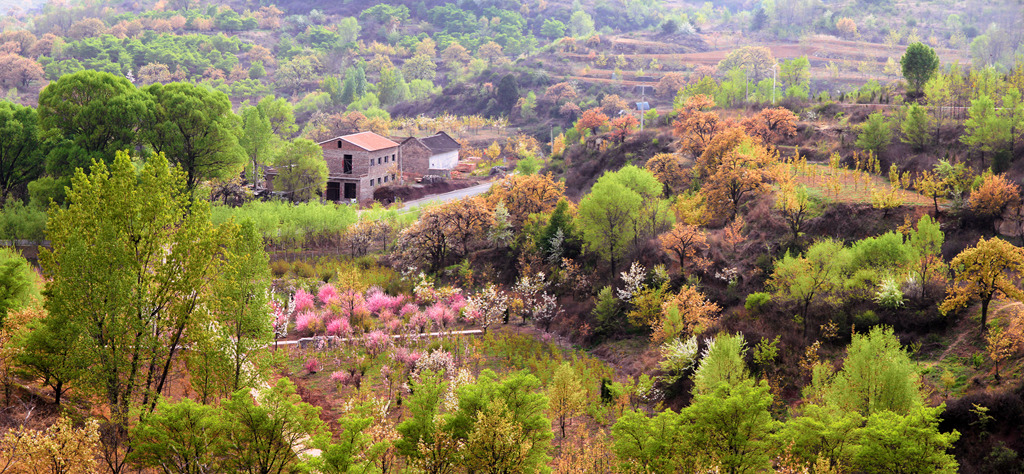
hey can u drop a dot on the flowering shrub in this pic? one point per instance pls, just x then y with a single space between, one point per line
393 325
328 294
406 357
303 301
339 327
487 307
312 365
377 300
408 309
438 360
375 342
419 321
308 322
280 319
341 377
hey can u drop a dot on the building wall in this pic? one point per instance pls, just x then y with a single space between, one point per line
415 157
445 161
382 172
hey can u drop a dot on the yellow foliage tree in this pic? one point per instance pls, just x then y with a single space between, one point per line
981 272
61 448
526 194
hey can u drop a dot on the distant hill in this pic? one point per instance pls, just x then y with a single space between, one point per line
24 5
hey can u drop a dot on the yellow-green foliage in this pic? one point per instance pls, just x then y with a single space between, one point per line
283 223
518 352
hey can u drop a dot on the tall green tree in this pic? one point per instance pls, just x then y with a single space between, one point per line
606 217
722 363
503 423
875 134
652 444
919 63
181 437
132 259
508 93
257 139
810 277
916 126
268 437
870 416
18 286
984 129
877 375
196 130
280 114
391 88
567 395
89 115
424 427
730 426
21 158
229 339
301 170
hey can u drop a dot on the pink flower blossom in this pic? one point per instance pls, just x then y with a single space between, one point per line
393 325
303 301
351 302
376 300
408 309
419 321
440 314
339 327
403 355
312 365
546 337
456 302
396 302
307 321
386 315
341 377
375 341
328 294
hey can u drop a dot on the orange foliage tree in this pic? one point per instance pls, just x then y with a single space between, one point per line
688 312
993 197
17 71
559 93
687 242
670 84
744 170
612 104
592 119
623 126
981 272
526 194
665 167
771 125
696 126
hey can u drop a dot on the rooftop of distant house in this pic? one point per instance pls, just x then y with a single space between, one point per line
368 141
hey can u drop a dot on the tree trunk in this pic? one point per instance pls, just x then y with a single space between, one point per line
984 313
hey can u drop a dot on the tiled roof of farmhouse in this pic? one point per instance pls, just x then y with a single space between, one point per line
368 141
440 143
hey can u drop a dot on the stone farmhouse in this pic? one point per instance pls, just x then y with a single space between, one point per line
360 163
437 154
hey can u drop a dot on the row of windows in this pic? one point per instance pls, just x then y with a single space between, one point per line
379 180
383 159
